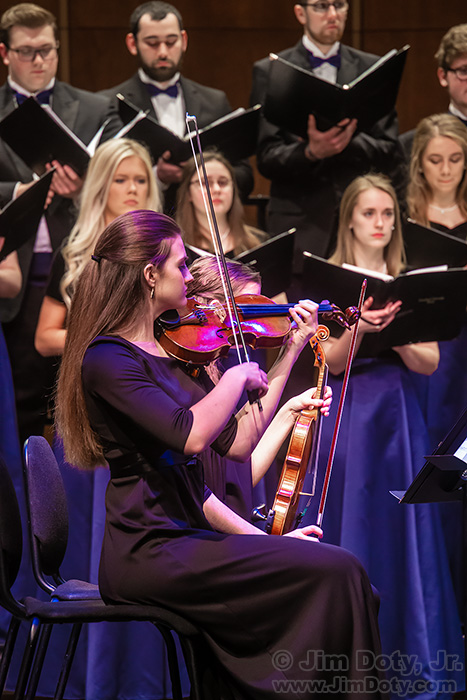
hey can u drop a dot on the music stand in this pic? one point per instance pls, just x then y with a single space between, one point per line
444 478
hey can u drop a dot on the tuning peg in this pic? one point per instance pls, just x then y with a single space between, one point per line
259 513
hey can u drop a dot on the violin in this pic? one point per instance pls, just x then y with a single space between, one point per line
201 333
302 452
305 443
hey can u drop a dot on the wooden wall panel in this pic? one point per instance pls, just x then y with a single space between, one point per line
225 38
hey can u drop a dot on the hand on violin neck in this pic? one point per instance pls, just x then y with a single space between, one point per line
308 400
375 320
305 317
312 533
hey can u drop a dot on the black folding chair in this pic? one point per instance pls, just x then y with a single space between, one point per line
43 615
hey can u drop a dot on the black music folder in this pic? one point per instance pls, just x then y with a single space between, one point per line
38 136
235 135
443 476
294 92
20 218
272 259
433 300
425 247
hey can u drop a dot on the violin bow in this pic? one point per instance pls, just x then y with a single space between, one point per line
218 248
332 452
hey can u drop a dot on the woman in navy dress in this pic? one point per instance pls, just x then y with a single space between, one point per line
381 447
10 286
168 539
437 197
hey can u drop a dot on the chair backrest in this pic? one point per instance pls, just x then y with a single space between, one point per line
47 507
11 538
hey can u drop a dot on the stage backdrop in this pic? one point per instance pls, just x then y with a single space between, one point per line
225 38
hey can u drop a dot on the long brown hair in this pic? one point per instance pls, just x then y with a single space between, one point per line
245 237
394 252
110 296
418 192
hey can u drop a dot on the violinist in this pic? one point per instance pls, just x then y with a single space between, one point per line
121 399
381 447
234 483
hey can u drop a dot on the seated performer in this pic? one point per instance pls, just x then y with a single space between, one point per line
191 214
234 485
121 398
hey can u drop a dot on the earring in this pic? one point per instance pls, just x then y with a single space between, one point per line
152 292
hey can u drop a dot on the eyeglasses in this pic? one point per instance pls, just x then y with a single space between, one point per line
28 55
323 7
222 182
461 72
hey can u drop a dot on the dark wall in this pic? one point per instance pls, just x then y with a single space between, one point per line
226 37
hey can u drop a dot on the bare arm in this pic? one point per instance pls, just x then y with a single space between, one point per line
50 332
251 422
280 427
420 357
10 276
221 518
210 415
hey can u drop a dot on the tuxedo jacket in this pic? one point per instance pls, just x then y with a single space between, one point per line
206 103
84 113
307 194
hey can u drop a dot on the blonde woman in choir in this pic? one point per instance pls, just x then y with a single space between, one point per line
437 191
119 179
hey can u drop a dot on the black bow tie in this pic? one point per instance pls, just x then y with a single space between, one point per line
171 91
42 97
316 61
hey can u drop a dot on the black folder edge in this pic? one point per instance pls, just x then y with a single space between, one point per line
20 218
23 130
425 246
289 110
443 476
272 259
241 143
446 325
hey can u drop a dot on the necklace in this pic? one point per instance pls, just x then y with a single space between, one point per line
443 210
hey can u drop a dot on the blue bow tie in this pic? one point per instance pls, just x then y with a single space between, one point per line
42 97
171 91
316 61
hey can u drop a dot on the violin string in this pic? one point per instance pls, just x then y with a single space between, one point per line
212 223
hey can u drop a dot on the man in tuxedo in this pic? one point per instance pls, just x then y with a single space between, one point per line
159 42
309 176
29 48
451 57
452 69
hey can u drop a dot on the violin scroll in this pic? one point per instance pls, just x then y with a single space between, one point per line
331 312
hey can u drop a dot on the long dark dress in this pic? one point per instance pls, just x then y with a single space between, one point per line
264 603
382 442
459 231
